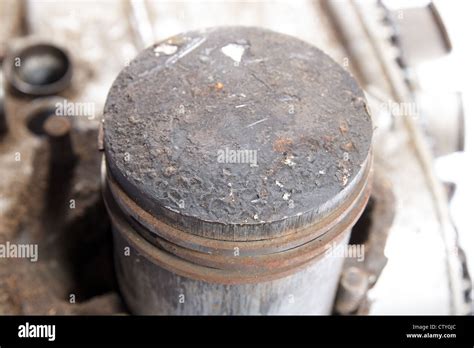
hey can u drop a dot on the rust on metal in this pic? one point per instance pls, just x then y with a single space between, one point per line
233 157
165 129
218 247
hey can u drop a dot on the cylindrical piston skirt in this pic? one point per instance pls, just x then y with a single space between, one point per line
154 280
257 251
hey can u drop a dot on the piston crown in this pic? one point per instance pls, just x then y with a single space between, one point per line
236 133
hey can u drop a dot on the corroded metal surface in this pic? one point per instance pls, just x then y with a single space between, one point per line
409 283
311 290
182 101
255 262
245 227
292 239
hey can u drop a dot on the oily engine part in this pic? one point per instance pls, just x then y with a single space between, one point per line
235 159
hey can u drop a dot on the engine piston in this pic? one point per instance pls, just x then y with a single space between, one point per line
236 160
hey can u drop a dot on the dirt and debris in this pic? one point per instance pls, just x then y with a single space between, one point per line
298 113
